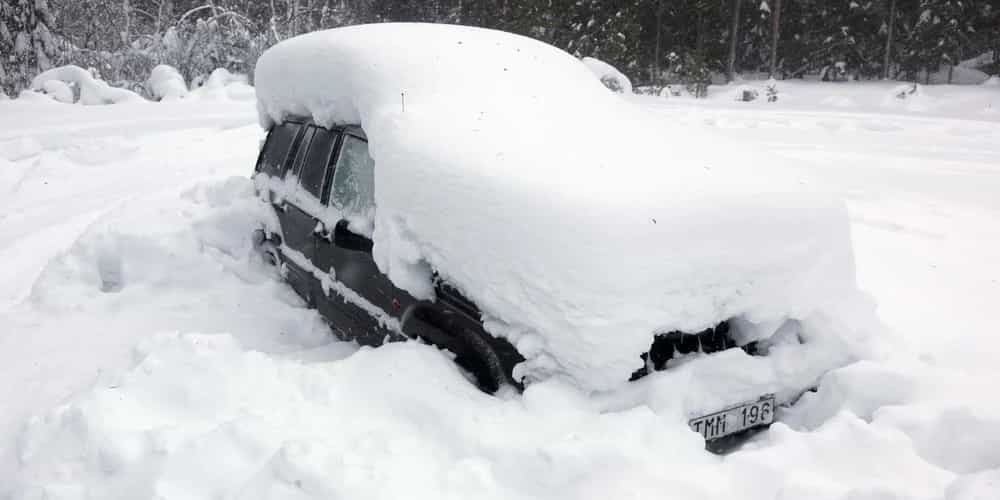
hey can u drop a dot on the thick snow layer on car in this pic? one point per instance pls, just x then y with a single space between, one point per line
579 223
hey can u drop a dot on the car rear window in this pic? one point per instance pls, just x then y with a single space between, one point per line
273 160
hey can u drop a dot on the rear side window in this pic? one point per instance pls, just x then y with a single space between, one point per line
274 158
300 153
317 160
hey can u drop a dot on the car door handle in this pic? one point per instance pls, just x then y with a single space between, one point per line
320 232
344 238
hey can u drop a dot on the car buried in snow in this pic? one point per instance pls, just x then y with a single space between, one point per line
331 267
461 197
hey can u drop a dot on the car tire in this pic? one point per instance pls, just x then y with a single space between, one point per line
487 360
478 357
270 253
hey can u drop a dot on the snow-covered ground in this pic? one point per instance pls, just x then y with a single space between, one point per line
145 354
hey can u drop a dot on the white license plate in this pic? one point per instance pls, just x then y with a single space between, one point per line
735 419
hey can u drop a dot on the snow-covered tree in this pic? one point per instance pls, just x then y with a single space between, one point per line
935 32
27 44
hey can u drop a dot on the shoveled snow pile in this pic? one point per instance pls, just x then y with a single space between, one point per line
92 90
608 75
580 223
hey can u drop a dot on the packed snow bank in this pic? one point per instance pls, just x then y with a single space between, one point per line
960 75
980 60
608 75
92 90
200 417
165 83
580 224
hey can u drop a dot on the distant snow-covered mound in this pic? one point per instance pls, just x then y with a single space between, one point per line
92 90
221 84
608 75
166 83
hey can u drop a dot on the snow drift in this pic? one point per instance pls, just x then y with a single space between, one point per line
221 84
92 90
608 75
579 223
165 83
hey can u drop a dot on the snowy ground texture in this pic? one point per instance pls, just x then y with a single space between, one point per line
146 354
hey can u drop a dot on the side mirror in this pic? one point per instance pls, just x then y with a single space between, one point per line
344 238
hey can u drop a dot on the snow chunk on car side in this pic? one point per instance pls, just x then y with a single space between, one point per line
580 224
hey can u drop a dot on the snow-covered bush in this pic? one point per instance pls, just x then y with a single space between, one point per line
669 91
200 47
221 77
165 83
771 90
693 71
836 72
746 93
92 91
609 75
908 96
59 91
222 84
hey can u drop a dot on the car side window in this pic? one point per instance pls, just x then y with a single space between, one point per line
273 160
300 153
354 182
317 160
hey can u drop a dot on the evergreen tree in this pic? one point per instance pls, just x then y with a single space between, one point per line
27 45
604 30
652 41
935 32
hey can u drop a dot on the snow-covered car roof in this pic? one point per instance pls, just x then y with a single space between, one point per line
579 223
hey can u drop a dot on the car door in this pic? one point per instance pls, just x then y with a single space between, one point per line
279 156
295 211
365 293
